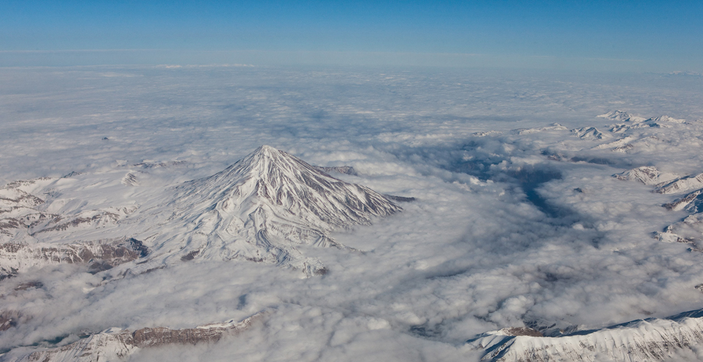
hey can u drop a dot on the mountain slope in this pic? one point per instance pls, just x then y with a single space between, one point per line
647 175
589 133
641 340
99 255
117 344
264 208
682 184
267 203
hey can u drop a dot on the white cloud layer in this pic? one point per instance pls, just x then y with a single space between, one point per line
524 226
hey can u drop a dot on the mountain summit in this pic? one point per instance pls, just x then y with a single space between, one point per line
265 204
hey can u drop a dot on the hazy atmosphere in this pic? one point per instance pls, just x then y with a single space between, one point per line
317 181
643 36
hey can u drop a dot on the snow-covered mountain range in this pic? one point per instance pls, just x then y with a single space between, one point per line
690 229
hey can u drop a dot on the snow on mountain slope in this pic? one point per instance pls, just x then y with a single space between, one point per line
262 209
682 184
641 340
31 229
88 219
621 116
19 208
692 202
590 133
550 128
647 175
663 120
28 209
115 344
619 145
99 255
688 231
130 179
264 205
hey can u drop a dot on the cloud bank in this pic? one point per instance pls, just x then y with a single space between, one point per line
518 220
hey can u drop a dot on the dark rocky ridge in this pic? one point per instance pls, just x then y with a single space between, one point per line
117 344
99 255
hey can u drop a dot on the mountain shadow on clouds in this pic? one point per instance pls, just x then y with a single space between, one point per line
530 179
487 160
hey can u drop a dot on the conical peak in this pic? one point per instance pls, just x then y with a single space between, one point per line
265 154
270 154
266 150
266 162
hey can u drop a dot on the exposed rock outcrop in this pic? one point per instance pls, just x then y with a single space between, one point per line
98 255
117 344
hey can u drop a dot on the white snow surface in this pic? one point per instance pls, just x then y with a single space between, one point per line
682 184
647 175
590 133
259 208
644 340
621 116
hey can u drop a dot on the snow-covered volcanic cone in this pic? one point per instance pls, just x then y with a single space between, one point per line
264 205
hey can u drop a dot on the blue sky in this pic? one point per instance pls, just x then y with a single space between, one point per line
598 35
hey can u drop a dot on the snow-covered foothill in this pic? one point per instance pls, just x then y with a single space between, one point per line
641 340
